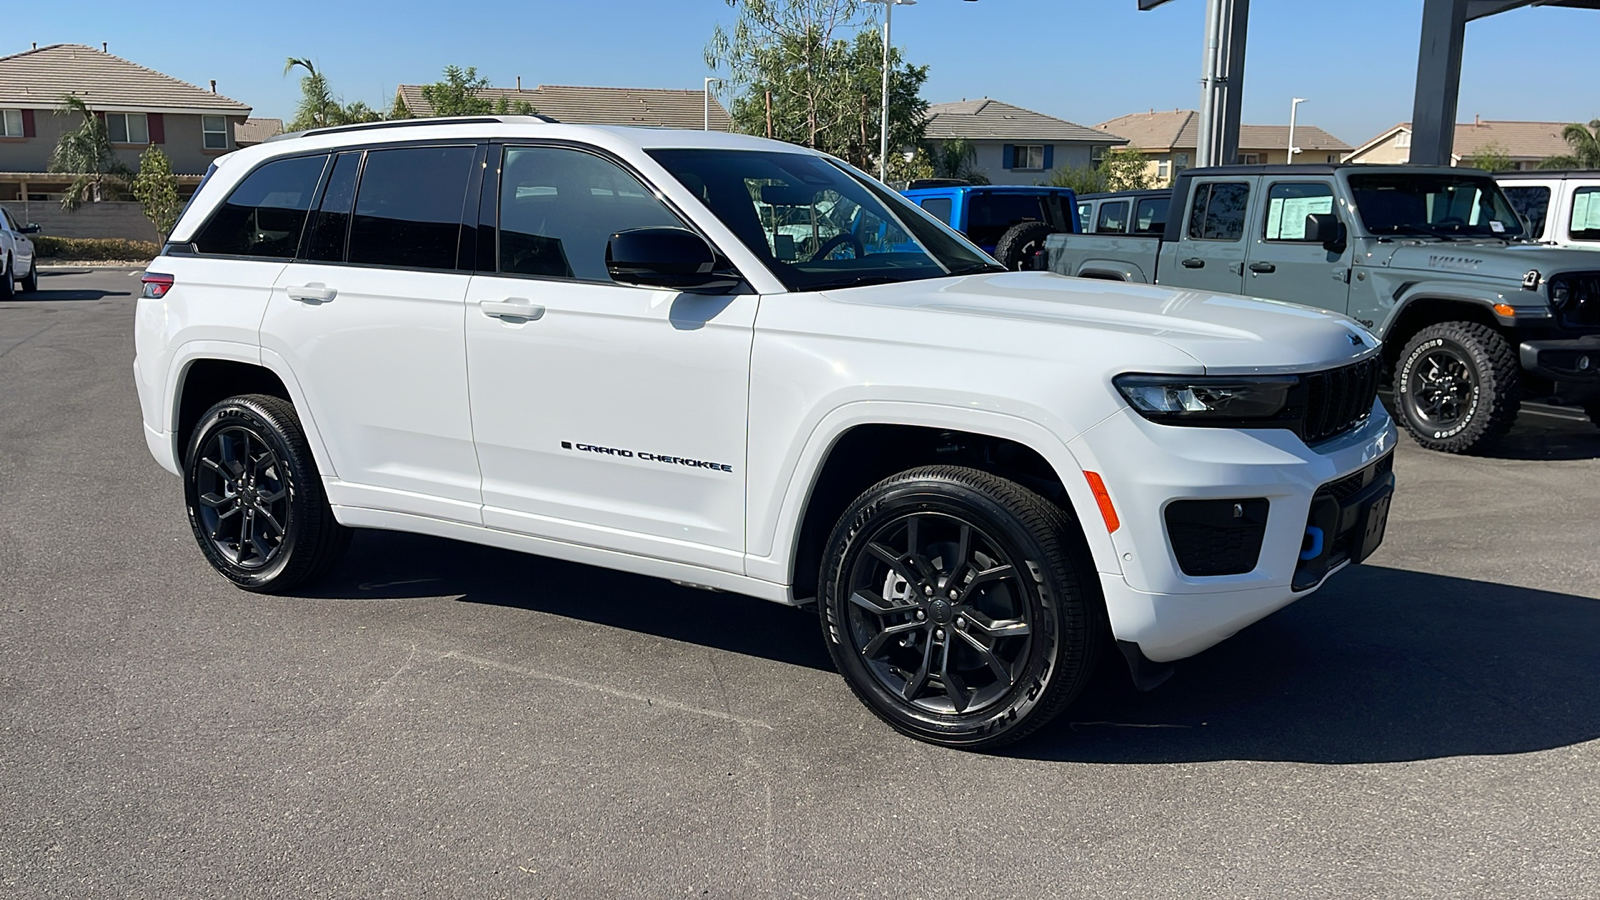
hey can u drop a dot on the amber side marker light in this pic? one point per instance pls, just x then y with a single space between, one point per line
1103 498
1506 310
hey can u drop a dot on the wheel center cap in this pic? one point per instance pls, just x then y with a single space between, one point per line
939 611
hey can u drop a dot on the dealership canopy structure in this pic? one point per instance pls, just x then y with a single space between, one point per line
1433 116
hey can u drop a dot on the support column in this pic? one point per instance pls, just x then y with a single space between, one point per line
1433 110
1222 82
1233 81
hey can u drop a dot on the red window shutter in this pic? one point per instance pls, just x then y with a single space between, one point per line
158 128
27 124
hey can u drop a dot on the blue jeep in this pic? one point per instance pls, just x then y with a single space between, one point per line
1009 222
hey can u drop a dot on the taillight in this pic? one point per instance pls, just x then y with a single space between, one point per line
156 285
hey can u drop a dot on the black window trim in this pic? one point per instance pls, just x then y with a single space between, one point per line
1194 194
1333 191
189 248
489 212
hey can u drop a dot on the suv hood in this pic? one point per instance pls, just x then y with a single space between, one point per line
1481 259
1225 333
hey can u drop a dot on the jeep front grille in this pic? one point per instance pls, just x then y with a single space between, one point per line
1337 400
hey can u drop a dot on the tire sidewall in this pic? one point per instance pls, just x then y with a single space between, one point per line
242 413
1475 366
876 509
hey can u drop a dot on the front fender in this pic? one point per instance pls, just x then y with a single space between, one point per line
1487 297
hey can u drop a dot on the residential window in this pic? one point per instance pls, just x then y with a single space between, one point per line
1164 169
128 128
1097 155
215 129
1249 159
1183 162
1403 140
11 123
1028 156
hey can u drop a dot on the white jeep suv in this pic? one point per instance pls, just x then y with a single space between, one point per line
747 366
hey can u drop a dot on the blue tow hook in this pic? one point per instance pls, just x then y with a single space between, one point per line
1314 538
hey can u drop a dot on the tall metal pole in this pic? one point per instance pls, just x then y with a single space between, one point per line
1204 152
883 127
707 126
1294 106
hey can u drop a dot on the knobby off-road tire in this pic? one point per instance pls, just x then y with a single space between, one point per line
255 500
958 608
1456 386
1016 247
31 283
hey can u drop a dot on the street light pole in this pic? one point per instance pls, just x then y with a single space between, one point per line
883 125
1294 106
709 79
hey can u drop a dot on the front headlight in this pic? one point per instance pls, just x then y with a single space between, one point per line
1190 400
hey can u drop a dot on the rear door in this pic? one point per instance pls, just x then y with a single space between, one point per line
1211 249
1283 265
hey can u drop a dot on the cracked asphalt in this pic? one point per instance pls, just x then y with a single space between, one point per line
443 720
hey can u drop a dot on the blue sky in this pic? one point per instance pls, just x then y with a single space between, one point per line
1081 60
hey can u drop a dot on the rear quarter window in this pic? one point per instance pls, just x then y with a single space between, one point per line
266 213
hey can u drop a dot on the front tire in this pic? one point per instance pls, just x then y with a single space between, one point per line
31 283
255 499
1456 386
956 608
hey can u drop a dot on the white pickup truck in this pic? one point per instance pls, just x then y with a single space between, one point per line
1562 207
17 260
744 365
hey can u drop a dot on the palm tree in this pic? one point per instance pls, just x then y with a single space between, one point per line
1585 144
318 108
956 158
86 155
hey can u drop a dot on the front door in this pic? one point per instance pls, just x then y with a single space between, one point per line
1283 265
606 415
369 319
1210 252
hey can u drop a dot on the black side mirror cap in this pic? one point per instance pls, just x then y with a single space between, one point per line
1327 230
674 259
29 228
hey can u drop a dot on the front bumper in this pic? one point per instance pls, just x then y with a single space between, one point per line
1147 467
1567 359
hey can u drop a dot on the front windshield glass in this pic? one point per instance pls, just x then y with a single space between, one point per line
818 225
1436 205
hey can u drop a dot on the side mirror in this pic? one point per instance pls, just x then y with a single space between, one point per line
29 228
673 259
1327 230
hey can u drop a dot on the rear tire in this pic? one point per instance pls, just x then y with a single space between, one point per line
255 499
957 608
1016 247
31 283
1456 386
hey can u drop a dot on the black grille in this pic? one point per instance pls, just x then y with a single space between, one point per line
1336 400
1217 537
1347 486
1577 299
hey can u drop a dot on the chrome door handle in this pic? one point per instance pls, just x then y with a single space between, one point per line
315 292
512 308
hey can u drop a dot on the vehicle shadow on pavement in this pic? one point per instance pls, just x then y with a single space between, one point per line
1382 665
393 565
46 295
1539 437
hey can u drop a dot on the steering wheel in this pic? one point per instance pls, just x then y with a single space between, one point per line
831 244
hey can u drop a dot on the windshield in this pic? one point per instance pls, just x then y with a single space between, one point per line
817 224
1437 205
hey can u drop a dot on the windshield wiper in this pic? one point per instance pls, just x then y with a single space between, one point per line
975 268
855 281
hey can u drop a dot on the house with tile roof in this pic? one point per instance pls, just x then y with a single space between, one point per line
1016 145
251 132
1527 143
141 108
649 107
1168 140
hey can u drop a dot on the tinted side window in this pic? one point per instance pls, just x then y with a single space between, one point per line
1150 215
559 208
938 207
1585 224
331 225
1288 205
1218 211
1533 203
267 211
408 208
1113 218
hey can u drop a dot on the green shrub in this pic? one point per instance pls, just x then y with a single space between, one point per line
93 248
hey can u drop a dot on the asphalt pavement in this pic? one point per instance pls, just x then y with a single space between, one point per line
443 720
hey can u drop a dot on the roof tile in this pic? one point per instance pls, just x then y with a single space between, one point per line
38 79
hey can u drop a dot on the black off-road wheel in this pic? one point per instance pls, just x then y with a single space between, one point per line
1456 386
1016 247
960 607
31 283
255 500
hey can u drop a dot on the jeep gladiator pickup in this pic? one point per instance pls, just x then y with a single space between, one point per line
1473 315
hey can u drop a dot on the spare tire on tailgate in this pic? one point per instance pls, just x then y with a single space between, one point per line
1016 247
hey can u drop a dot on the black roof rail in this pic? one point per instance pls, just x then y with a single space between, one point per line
401 123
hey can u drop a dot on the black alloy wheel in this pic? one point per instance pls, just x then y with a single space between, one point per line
1457 386
952 606
255 500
